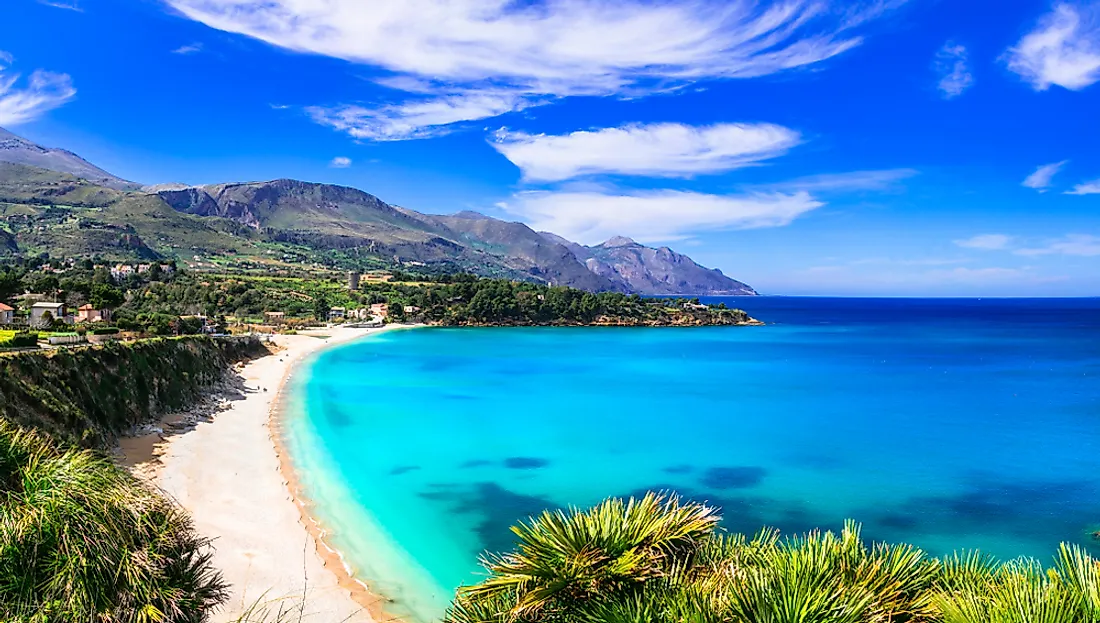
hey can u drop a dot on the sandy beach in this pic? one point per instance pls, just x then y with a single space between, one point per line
229 473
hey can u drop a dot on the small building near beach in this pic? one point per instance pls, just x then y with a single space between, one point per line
336 313
380 309
274 317
7 314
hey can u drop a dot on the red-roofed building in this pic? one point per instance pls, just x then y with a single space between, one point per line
87 313
7 314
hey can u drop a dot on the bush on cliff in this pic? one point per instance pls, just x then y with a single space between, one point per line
81 540
89 396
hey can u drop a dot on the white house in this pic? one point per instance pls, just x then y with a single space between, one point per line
40 309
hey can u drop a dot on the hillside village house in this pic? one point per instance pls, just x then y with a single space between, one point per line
7 314
380 309
122 272
40 309
336 313
88 313
411 309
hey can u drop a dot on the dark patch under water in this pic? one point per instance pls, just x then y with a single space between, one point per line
523 462
498 510
722 478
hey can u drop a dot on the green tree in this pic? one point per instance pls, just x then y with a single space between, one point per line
321 306
397 311
104 296
10 285
46 284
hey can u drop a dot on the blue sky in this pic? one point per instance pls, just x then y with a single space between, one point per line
886 147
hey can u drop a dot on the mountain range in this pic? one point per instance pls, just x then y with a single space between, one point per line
53 201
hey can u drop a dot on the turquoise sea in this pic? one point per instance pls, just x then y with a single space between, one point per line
947 423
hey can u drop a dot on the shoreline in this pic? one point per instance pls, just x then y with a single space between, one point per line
358 590
229 468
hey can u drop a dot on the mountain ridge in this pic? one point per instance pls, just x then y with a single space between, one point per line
18 150
243 218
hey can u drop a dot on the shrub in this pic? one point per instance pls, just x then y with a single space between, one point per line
82 540
23 339
657 560
104 331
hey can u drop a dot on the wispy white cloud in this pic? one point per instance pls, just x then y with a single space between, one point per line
1042 177
190 48
544 50
340 162
986 242
954 71
1063 49
658 150
42 91
1091 187
1080 245
417 118
852 181
591 217
71 6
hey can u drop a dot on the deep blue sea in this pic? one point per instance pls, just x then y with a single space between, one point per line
951 424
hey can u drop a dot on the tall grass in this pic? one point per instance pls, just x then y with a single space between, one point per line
658 560
82 540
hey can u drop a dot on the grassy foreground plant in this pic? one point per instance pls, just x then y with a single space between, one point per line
659 560
81 540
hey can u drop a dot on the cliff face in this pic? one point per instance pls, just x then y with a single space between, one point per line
89 396
648 270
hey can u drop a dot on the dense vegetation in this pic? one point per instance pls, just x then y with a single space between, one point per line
82 540
88 396
154 302
658 560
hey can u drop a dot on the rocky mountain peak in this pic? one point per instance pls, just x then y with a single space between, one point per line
619 241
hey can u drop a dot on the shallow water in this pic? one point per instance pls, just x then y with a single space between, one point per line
946 423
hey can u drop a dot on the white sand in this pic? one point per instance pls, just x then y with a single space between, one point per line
227 474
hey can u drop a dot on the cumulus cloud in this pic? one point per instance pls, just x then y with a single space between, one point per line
658 149
1086 188
1042 177
546 49
986 242
590 217
340 162
1063 49
41 92
1079 245
953 69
